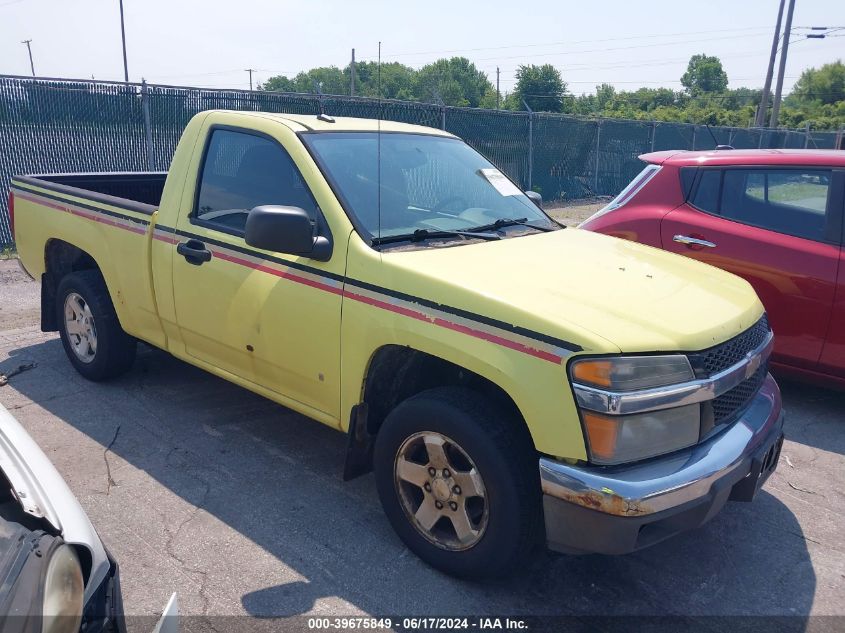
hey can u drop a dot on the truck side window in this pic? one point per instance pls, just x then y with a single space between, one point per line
791 201
242 171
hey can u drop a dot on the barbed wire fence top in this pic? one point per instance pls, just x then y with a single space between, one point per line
66 125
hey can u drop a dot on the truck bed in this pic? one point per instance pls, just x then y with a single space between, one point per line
140 191
76 221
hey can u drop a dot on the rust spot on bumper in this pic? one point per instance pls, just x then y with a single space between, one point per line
609 503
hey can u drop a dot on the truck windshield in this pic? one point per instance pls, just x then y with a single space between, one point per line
427 184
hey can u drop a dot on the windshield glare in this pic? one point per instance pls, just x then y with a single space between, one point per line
427 183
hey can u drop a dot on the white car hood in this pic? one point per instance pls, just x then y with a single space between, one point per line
43 493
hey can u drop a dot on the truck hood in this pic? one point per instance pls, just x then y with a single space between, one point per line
600 293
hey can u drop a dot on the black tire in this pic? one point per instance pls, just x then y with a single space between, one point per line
115 349
499 445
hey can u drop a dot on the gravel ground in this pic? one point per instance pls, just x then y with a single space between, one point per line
573 212
237 504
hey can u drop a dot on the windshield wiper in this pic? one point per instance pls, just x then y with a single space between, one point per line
425 234
503 222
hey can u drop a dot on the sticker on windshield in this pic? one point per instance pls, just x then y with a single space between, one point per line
500 182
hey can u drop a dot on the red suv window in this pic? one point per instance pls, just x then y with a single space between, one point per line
790 201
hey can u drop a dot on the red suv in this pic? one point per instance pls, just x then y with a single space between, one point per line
774 217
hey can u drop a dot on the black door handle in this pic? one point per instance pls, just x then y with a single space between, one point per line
194 252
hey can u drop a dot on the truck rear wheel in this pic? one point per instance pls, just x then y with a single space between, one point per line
459 482
94 342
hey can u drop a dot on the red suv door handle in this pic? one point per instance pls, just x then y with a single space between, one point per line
693 241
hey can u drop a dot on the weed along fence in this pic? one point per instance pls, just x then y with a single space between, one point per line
64 125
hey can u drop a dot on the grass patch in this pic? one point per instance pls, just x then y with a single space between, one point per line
8 252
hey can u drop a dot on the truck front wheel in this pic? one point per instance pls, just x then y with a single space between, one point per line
94 342
458 480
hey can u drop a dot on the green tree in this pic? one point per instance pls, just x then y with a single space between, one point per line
541 87
704 75
456 81
818 97
397 80
740 98
488 101
605 96
279 83
330 80
824 85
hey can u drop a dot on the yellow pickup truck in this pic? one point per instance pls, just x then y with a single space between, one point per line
509 381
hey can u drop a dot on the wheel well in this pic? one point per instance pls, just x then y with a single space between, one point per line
60 259
395 374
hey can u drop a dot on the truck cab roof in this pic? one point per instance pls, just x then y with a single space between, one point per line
310 122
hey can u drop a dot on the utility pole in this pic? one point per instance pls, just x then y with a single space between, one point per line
773 122
760 121
352 75
123 37
497 88
250 71
29 48
530 144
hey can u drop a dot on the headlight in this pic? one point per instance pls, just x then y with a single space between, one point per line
63 592
615 439
628 373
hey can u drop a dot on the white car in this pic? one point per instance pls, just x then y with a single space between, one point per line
56 576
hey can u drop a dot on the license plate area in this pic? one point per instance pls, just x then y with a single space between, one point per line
763 464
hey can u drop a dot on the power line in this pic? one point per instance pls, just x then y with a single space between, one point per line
646 63
216 72
567 42
642 63
569 68
656 81
602 50
630 96
623 48
225 72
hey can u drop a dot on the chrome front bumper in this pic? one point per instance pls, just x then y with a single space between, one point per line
622 508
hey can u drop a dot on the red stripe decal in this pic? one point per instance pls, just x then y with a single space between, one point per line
457 327
165 238
102 219
278 273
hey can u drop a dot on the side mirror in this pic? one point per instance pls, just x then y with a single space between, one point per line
535 197
285 230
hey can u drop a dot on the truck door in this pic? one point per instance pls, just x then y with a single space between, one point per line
270 319
775 227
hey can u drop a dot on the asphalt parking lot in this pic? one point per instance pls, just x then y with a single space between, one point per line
200 487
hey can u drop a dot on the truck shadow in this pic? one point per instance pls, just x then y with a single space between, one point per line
274 477
815 415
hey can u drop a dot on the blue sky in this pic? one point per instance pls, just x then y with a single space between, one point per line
625 43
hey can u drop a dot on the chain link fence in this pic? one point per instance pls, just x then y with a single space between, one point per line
62 125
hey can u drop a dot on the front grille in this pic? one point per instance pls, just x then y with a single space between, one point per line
727 407
731 403
712 361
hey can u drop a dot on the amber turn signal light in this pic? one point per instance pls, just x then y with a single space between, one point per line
593 372
601 434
